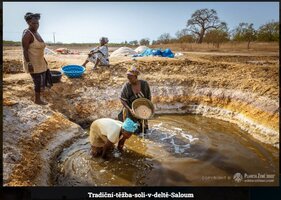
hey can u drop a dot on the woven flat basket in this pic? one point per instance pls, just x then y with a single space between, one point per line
143 108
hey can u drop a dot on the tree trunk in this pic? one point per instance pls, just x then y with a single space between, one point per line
218 45
248 45
200 39
201 36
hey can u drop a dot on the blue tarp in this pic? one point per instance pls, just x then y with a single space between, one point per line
156 52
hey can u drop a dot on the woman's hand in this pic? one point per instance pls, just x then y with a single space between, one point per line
30 68
106 147
91 53
120 147
121 144
132 112
105 157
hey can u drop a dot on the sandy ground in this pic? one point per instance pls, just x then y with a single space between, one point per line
244 84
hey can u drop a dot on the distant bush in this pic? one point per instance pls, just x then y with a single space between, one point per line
144 41
133 42
269 32
11 43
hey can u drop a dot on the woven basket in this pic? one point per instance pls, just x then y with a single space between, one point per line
143 102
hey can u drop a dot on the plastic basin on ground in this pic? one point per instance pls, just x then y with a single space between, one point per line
73 71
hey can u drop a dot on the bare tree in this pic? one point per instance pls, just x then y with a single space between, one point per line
164 38
154 42
183 36
203 20
181 33
144 41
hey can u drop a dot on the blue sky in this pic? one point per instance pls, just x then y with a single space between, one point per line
120 21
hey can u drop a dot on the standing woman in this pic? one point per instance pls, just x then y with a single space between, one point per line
33 55
131 91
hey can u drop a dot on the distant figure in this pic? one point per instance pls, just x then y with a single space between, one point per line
33 56
99 55
106 132
131 91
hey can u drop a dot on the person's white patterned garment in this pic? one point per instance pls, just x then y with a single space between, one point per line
100 53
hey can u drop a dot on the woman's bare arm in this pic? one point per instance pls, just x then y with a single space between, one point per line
26 40
107 146
125 104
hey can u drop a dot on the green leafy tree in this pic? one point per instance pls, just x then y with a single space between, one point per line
245 32
268 32
217 36
203 20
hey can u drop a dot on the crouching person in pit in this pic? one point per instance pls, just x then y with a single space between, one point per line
106 132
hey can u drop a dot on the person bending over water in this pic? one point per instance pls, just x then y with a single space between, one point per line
106 132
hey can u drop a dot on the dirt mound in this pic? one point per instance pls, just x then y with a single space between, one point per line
123 51
259 60
12 66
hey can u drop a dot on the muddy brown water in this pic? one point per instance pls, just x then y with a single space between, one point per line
179 150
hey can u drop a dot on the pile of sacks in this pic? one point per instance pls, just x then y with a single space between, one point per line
142 51
156 52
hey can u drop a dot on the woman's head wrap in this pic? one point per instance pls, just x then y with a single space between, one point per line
129 125
105 39
133 71
28 16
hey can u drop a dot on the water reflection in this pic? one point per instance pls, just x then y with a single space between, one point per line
178 150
